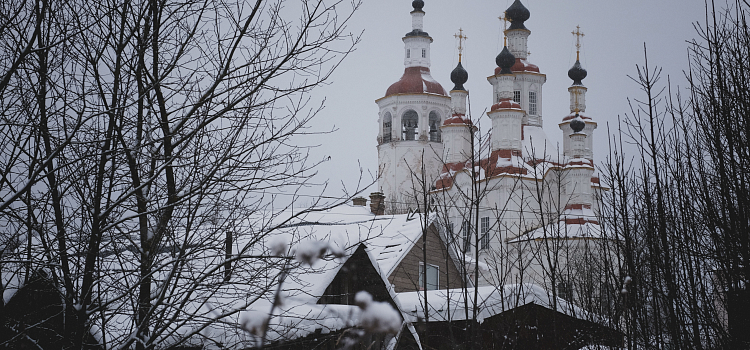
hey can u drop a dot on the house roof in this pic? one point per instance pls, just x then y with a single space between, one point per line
209 310
343 228
449 305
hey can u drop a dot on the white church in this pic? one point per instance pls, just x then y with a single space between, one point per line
502 196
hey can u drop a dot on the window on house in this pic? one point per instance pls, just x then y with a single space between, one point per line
434 127
433 276
532 102
517 96
387 120
466 235
484 224
424 53
409 125
408 53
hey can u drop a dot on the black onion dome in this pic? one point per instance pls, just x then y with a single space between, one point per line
577 73
505 60
417 4
517 14
459 76
577 124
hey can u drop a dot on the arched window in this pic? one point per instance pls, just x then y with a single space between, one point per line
434 127
387 120
409 125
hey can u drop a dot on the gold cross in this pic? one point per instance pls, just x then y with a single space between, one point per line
578 35
461 37
505 20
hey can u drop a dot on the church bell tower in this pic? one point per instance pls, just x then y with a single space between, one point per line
409 120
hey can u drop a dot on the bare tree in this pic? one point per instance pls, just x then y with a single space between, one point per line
678 209
150 138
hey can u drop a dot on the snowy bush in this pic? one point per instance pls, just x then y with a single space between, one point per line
377 317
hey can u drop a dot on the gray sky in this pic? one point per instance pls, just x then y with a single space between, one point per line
615 32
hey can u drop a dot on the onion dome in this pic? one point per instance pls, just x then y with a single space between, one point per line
416 80
505 61
517 14
577 73
417 5
577 124
459 76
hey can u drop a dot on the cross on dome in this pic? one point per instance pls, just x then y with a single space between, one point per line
578 35
505 20
461 37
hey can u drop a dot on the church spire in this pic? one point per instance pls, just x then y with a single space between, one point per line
417 41
457 127
578 128
577 74
517 35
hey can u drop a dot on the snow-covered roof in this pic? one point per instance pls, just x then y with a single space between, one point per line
578 223
449 305
209 309
535 143
386 238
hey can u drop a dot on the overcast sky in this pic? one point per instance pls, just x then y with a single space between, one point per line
615 32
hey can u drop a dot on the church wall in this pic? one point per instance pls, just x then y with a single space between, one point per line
398 161
512 205
526 82
577 264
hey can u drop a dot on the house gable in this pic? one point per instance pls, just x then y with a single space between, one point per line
357 274
405 277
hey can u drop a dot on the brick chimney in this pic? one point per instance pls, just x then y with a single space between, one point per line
359 201
377 203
